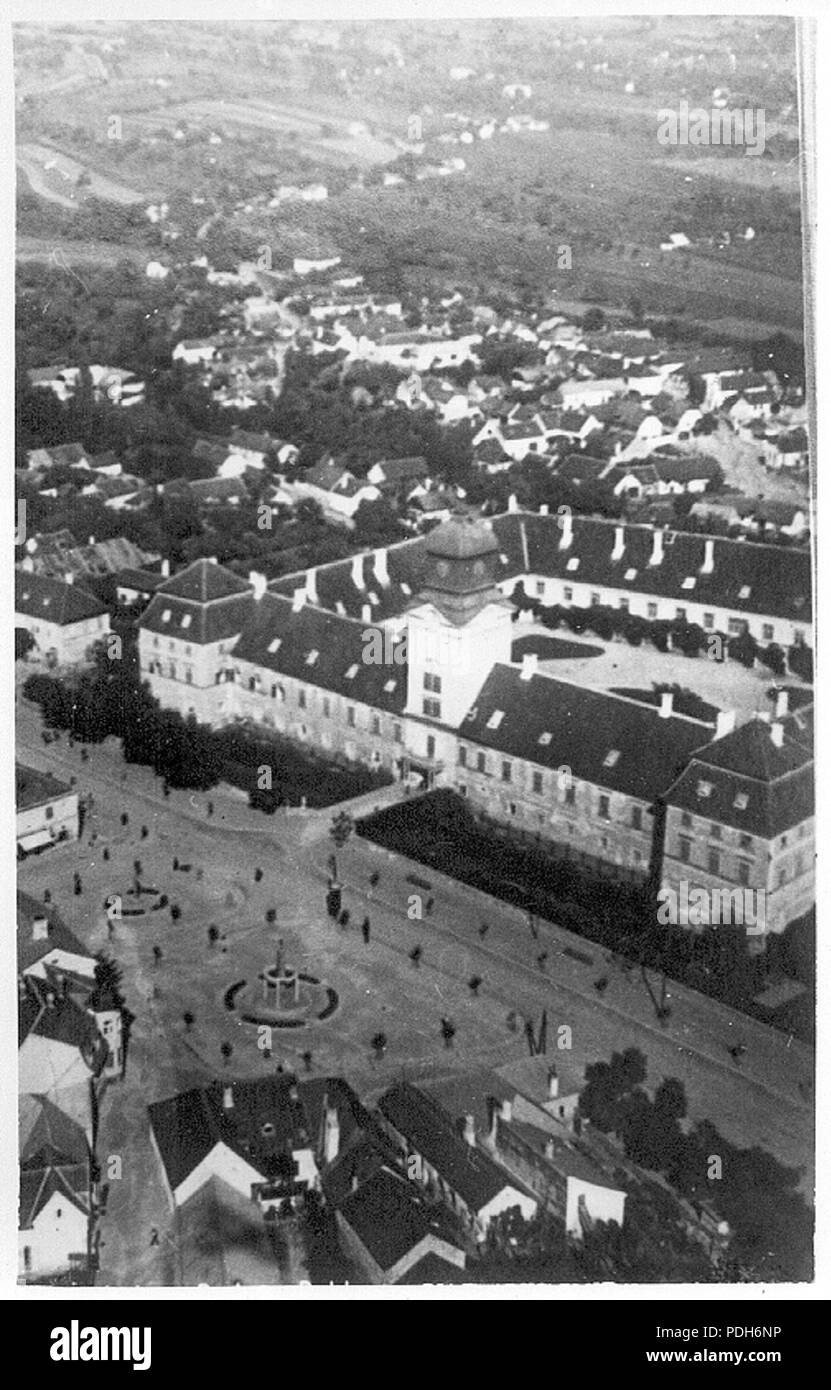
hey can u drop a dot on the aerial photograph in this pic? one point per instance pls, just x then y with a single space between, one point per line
414 507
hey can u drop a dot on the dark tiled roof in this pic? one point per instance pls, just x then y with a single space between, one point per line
204 581
37 596
37 1185
216 621
744 780
584 726
59 936
388 1217
430 1132
33 788
339 645
61 1021
188 1126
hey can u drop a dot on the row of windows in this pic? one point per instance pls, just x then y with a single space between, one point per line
736 627
715 863
745 841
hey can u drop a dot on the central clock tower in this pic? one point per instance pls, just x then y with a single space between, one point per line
460 626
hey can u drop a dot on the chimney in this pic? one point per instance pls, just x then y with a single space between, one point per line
543 509
512 503
470 1131
657 548
258 581
666 704
331 1136
506 1112
28 564
781 704
311 586
166 569
227 1097
725 722
777 733
298 599
358 571
40 928
69 577
620 543
381 571
529 665
549 1148
553 1083
566 523
709 549
366 613
50 999
92 540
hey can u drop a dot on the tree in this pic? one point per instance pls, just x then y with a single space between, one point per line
339 831
448 1031
188 1020
23 642
379 1045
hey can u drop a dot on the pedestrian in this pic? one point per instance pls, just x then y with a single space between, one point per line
374 879
154 1236
365 930
144 832
541 959
165 790
428 906
415 956
210 808
84 755
175 864
343 920
483 930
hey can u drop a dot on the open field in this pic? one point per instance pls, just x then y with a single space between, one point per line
55 176
29 248
317 133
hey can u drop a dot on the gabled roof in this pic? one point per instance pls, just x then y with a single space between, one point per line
269 1117
430 1132
45 1013
33 788
555 724
58 936
389 1217
54 601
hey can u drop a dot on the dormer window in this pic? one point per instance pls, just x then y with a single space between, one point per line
744 591
573 563
630 575
274 645
611 757
352 672
186 620
405 589
544 739
495 719
312 657
166 616
741 801
704 789
689 582
389 687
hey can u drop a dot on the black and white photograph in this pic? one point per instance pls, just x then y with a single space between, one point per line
414 428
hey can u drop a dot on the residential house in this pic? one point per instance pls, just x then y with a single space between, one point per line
740 823
61 616
450 1166
47 810
56 1193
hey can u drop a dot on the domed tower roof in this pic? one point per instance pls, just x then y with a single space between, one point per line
461 562
462 538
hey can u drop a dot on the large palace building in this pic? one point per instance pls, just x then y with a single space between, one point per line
402 659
